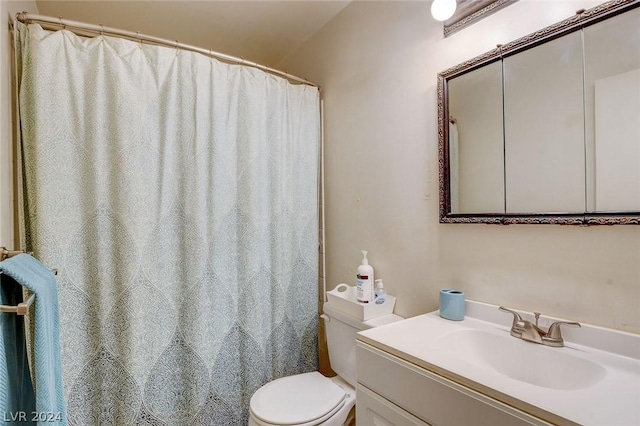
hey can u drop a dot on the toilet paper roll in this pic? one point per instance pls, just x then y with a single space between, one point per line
452 306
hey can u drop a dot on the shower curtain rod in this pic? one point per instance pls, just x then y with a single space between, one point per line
49 22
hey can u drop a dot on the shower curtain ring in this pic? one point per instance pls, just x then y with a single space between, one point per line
61 24
101 30
139 38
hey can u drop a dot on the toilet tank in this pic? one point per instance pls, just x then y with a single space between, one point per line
341 330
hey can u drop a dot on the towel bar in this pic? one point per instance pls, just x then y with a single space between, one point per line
20 308
5 253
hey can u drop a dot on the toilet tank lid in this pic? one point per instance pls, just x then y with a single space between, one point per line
336 313
384 319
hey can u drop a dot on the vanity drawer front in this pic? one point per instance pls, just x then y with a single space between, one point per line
373 410
430 397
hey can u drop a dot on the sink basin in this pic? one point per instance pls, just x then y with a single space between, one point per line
592 381
524 361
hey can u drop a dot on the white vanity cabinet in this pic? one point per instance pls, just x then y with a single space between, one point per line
427 370
395 392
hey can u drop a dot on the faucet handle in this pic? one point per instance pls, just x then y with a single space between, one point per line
554 335
516 316
518 325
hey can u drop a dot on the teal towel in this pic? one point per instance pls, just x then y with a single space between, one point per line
17 400
28 272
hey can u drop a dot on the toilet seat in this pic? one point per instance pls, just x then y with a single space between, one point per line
304 399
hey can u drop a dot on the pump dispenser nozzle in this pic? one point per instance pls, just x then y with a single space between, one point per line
365 261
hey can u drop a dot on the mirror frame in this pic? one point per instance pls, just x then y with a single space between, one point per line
581 19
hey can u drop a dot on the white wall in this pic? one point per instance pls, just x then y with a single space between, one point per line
377 62
606 158
8 9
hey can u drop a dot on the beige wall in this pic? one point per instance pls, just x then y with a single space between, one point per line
8 9
377 62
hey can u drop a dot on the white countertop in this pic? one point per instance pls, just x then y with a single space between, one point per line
613 401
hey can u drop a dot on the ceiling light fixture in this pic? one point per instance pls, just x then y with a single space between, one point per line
441 10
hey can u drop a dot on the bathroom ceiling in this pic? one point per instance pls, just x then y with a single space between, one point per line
260 31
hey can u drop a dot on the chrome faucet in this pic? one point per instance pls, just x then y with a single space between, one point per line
526 330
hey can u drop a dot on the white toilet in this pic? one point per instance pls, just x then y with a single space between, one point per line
312 399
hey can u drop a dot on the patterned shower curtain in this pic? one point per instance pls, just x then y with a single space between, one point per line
177 196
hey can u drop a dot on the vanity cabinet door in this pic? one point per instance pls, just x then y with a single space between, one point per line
430 397
373 410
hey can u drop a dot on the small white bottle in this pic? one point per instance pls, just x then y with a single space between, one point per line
380 295
364 289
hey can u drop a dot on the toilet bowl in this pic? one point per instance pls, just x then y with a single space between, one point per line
311 399
307 399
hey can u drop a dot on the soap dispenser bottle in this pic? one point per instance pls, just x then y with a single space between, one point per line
364 289
380 294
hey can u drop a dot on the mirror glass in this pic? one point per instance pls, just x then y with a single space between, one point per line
612 105
476 150
546 128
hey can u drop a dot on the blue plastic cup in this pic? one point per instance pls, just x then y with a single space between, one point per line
452 306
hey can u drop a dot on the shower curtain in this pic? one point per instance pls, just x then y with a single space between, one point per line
178 197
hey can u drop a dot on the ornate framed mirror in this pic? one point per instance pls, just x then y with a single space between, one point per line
545 129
